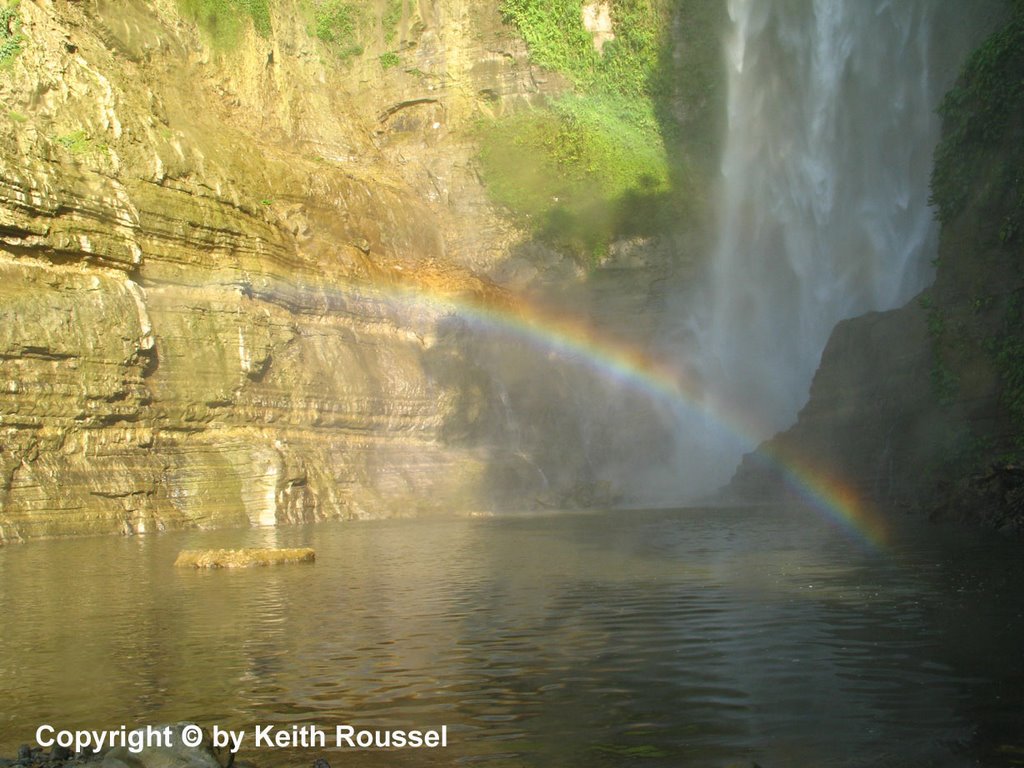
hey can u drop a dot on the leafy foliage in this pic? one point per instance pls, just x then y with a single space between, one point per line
555 35
554 32
389 59
982 149
222 21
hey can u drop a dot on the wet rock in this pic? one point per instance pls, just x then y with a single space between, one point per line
176 755
59 754
993 498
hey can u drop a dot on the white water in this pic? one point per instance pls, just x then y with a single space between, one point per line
823 210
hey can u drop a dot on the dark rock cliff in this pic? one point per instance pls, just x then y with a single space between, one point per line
923 406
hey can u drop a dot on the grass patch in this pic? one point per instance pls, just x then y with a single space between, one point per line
17 117
389 60
11 38
613 158
223 21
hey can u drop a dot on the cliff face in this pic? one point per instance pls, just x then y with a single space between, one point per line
205 259
866 419
923 406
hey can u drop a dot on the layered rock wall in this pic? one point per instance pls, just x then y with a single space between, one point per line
204 259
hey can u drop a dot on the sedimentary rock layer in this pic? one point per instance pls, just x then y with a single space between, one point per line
202 272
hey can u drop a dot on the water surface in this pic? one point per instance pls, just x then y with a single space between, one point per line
670 638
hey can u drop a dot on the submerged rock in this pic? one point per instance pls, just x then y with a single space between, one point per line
242 558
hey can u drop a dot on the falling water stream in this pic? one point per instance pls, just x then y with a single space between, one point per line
823 211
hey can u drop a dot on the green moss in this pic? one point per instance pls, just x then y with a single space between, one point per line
222 21
11 38
389 60
17 117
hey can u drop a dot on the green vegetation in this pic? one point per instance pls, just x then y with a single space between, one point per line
982 149
344 26
81 143
555 35
945 384
613 158
336 23
11 38
581 173
978 191
1008 352
17 117
222 21
389 22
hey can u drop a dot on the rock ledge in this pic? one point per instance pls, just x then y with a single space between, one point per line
242 558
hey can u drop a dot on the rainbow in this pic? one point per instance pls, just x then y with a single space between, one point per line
625 363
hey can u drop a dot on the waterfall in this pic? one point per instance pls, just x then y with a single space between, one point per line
823 210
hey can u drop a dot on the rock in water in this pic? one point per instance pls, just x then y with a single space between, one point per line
242 558
173 755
